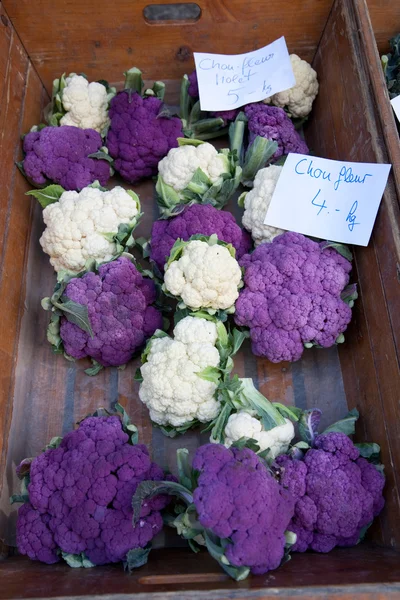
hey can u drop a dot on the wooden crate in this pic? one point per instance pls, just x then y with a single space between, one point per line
43 395
379 20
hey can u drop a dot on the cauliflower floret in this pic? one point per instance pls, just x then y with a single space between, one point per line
180 164
86 104
76 224
171 388
298 100
204 276
256 204
242 424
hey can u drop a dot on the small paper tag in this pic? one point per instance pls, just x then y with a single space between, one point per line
395 102
328 199
230 81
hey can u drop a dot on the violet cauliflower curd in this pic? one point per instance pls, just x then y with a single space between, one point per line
77 497
273 124
140 135
295 295
234 507
197 219
65 155
337 492
105 315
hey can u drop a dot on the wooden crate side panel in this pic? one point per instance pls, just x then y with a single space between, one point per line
385 18
22 96
103 38
358 573
370 356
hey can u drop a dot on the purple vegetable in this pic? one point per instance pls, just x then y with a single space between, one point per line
337 493
119 301
61 155
139 136
292 296
237 498
80 497
273 123
196 219
193 91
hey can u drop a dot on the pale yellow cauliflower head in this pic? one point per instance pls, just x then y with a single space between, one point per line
76 224
205 276
178 167
298 100
171 388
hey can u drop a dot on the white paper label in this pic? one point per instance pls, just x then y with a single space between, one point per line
395 102
229 81
328 199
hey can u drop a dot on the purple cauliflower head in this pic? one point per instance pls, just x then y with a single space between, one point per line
237 498
193 91
337 493
273 123
119 301
61 155
292 296
80 496
139 137
196 219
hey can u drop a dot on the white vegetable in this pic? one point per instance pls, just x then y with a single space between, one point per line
171 388
205 276
256 204
178 167
298 100
242 424
86 104
76 226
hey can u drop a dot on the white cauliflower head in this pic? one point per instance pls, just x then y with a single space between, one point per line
205 276
256 204
76 226
298 100
178 167
86 104
242 424
171 388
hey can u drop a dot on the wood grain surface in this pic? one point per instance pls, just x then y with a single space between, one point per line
103 38
385 17
352 130
361 573
22 98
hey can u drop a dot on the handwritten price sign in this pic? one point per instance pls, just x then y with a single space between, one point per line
328 199
230 81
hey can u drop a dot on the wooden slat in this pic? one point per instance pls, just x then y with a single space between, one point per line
103 38
22 98
385 17
360 573
369 358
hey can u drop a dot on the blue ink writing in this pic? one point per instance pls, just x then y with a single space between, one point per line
233 93
267 88
351 217
346 174
249 62
312 172
207 64
321 206
221 79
